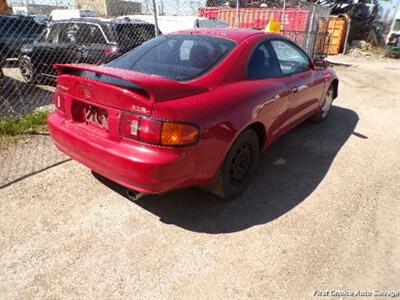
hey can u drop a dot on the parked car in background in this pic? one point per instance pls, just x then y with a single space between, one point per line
168 24
16 31
66 14
192 108
83 40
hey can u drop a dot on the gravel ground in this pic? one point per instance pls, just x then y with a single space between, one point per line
321 214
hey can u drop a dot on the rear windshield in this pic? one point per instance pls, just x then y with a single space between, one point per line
176 57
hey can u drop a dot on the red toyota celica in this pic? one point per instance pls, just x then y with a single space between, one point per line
193 108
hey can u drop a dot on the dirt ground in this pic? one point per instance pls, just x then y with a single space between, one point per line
321 214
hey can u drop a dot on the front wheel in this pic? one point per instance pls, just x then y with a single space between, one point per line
326 106
238 168
27 70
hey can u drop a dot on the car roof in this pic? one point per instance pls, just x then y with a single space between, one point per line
17 18
236 34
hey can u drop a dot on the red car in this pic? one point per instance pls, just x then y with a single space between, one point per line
193 108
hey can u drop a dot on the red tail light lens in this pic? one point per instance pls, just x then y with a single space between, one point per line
110 52
158 132
59 102
129 127
149 131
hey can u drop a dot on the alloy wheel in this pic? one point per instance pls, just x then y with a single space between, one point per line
26 70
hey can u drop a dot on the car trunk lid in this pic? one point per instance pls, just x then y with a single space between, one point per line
123 89
96 98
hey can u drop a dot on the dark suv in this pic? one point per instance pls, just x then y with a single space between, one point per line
83 40
16 31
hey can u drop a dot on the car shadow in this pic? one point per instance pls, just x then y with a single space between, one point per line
289 171
18 97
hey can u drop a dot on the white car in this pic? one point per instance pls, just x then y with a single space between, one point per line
168 24
66 14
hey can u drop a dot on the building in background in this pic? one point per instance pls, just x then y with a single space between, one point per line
110 8
4 8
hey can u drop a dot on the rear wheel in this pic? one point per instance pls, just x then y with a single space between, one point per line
326 106
238 168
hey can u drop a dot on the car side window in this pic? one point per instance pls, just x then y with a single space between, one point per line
53 34
68 33
43 36
90 35
291 58
262 64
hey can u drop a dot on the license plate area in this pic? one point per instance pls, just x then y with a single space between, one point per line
95 116
88 114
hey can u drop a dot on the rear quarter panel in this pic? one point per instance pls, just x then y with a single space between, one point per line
222 114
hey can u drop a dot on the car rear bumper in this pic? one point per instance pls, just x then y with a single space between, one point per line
147 169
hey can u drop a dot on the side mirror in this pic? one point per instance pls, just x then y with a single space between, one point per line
319 63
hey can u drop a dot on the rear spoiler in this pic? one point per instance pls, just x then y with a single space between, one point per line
153 87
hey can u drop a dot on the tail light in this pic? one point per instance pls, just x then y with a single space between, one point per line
111 51
59 102
157 132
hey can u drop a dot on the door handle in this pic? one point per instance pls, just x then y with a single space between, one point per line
300 88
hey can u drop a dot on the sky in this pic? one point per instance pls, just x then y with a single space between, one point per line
389 9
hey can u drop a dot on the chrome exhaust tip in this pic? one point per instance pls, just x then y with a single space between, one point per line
133 195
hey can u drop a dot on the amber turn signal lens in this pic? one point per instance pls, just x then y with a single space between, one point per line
176 134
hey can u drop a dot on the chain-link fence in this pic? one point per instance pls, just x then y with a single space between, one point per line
97 31
30 46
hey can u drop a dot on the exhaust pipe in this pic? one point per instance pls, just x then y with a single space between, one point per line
133 195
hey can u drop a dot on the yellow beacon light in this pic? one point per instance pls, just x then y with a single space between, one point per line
273 27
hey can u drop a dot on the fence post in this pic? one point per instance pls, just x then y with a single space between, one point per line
310 47
283 19
347 32
238 13
155 16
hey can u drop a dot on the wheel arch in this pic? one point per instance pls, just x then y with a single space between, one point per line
335 85
258 127
261 132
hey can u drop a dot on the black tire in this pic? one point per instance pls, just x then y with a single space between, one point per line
28 72
238 168
325 107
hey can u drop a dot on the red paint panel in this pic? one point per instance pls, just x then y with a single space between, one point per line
217 107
